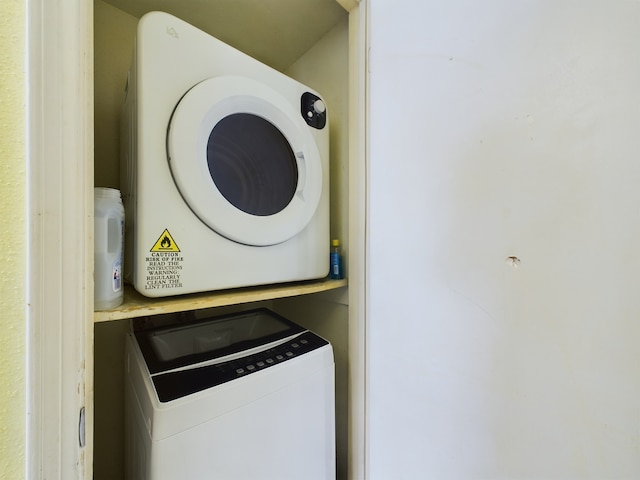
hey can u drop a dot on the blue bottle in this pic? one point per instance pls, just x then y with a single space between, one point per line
335 259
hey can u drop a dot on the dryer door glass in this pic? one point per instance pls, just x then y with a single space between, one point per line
252 164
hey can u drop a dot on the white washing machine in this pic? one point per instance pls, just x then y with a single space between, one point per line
225 167
241 397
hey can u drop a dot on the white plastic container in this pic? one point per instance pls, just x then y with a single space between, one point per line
108 248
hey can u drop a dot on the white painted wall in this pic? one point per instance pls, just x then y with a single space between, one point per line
500 129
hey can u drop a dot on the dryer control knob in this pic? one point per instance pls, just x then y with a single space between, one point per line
319 106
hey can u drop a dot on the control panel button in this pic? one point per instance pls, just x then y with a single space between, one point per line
319 106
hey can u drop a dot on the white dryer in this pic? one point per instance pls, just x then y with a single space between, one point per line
225 173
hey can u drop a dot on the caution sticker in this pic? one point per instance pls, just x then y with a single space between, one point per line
164 264
165 243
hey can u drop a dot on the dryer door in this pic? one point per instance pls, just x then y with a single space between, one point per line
244 160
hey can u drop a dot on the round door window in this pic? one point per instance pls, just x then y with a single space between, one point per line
244 160
252 164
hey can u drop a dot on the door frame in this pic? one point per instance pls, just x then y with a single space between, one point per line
358 246
59 213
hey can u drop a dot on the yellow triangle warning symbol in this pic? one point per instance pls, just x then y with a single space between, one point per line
165 243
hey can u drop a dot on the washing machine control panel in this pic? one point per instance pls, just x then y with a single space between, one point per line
174 385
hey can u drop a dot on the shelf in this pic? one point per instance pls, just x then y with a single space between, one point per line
136 305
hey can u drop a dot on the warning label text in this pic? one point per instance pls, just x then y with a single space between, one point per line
164 270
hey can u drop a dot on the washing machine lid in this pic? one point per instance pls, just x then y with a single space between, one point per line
244 160
184 345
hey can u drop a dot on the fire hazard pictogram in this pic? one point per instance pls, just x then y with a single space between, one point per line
165 243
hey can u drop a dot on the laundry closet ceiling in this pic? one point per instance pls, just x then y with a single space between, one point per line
276 32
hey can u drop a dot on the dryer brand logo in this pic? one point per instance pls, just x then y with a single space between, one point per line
172 32
164 264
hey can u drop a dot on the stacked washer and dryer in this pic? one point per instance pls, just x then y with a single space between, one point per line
225 181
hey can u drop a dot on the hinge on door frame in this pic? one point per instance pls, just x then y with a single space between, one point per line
81 429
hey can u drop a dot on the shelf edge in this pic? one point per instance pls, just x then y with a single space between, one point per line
136 305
